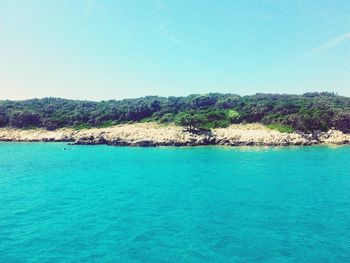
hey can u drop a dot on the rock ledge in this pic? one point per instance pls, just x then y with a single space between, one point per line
153 134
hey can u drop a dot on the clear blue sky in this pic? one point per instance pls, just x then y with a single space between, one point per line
118 49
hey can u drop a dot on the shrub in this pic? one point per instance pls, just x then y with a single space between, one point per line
281 128
22 119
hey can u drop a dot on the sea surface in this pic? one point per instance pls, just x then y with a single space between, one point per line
61 203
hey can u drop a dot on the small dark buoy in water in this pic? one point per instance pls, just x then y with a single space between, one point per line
64 149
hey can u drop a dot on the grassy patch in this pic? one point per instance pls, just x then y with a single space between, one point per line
208 125
149 119
107 124
83 126
31 127
281 128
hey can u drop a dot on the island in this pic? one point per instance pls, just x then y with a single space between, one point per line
210 119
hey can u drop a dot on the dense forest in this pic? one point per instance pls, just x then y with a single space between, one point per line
308 112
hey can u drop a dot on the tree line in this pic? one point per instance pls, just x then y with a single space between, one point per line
308 112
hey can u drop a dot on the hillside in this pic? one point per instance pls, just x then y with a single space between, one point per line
307 113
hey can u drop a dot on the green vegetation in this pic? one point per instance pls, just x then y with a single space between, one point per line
280 128
192 122
106 124
307 113
82 126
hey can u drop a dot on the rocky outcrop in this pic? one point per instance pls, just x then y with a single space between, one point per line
143 135
257 134
37 135
333 137
152 134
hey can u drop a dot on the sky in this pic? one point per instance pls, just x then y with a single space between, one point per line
118 49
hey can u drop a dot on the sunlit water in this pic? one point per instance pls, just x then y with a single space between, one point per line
61 203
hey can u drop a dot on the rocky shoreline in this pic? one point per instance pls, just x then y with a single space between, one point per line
153 134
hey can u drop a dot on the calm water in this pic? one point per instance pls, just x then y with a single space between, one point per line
106 204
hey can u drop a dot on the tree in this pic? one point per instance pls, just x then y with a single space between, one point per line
167 117
342 122
24 119
192 122
233 116
3 119
203 101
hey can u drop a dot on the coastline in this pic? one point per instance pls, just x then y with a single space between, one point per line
154 134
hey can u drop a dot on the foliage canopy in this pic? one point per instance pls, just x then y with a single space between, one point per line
308 112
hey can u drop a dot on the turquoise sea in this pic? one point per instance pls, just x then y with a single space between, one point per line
61 203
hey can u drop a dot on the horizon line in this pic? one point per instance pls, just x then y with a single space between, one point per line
177 96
